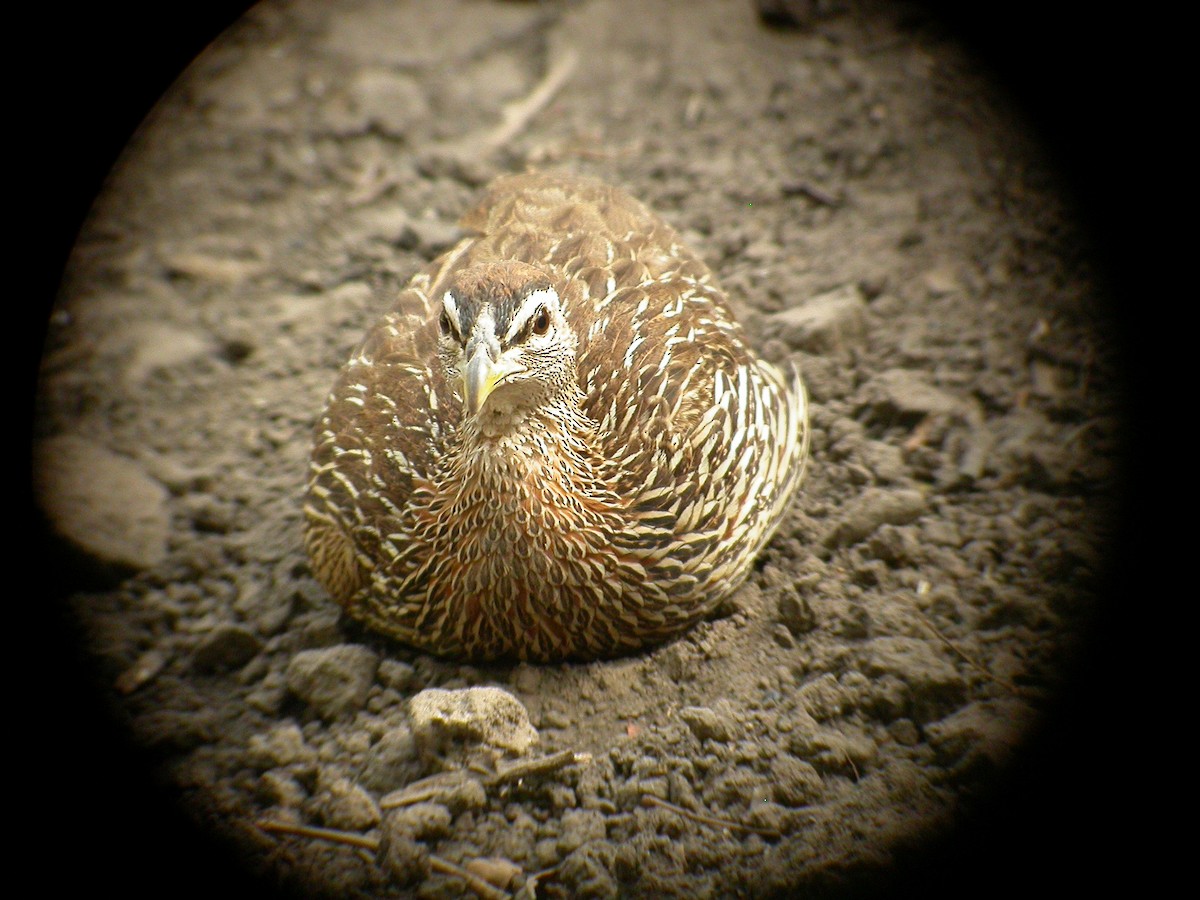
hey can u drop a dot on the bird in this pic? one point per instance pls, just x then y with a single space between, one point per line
556 443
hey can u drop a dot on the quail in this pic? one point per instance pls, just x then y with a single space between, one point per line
556 443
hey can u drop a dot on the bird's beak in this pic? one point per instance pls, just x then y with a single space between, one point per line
482 375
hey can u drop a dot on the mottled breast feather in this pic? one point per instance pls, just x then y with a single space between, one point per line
623 512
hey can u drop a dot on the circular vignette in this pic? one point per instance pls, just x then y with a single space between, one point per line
1047 792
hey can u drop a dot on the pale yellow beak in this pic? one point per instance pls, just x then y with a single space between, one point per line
482 375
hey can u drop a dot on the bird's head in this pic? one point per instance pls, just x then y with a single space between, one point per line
505 342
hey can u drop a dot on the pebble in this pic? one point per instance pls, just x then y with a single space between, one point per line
844 750
795 613
424 821
829 322
404 858
388 100
343 804
396 674
495 870
823 697
226 647
894 546
277 787
223 270
707 724
103 504
392 761
586 872
871 509
884 461
487 715
155 346
145 668
281 746
980 733
905 395
333 680
577 827
936 684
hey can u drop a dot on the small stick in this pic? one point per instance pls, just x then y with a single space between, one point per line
1003 682
348 838
516 115
714 821
541 766
482 888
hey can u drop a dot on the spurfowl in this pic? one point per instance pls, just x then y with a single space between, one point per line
556 443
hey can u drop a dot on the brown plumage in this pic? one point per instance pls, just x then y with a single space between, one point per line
556 443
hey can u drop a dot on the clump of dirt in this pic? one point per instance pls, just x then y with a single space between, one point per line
877 213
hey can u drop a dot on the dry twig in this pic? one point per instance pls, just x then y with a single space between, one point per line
543 765
706 819
978 667
349 838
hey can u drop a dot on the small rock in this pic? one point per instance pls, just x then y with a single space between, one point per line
226 647
343 804
783 637
424 821
103 504
396 674
884 461
278 788
794 782
981 734
823 697
829 322
154 346
894 546
577 827
942 280
559 796
846 751
404 858
587 872
707 724
904 396
936 685
904 732
390 101
872 508
852 620
392 761
333 680
796 613
145 669
210 267
488 715
281 746
495 870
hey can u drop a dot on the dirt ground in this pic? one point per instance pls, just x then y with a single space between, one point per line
870 710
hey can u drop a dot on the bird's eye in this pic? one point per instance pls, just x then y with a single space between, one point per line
444 323
541 321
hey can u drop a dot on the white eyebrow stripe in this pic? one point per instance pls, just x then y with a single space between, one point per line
451 306
535 300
